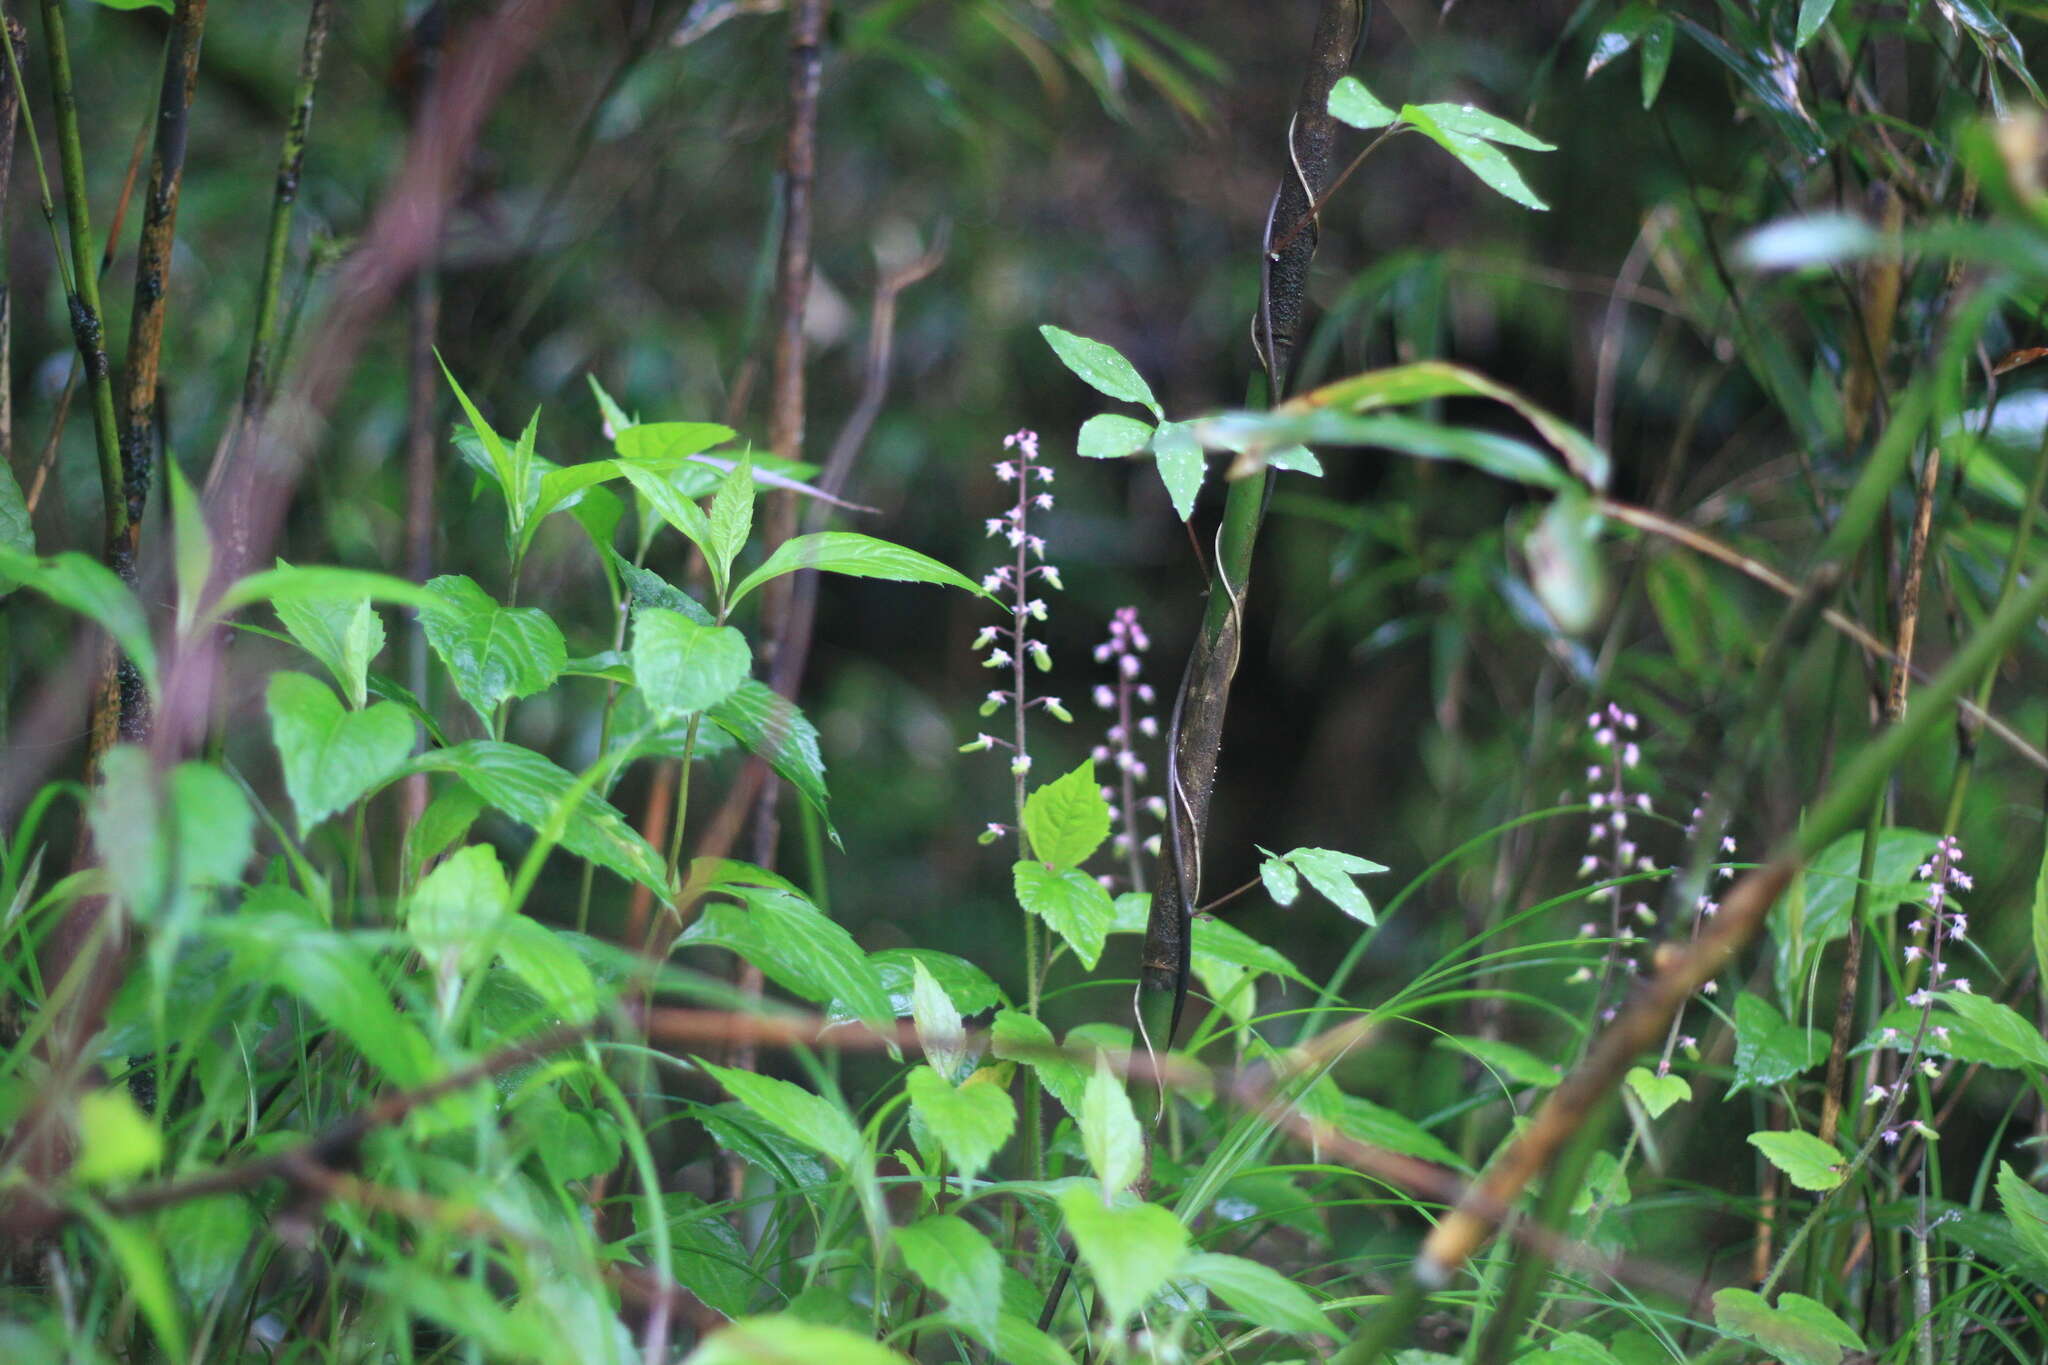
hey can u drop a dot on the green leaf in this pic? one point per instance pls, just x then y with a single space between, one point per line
797 946
1769 1050
1283 883
1658 40
969 987
1565 567
1066 820
82 584
1069 900
1223 942
1108 436
447 818
142 1274
732 516
1019 1342
1479 156
858 556
1464 119
164 5
1812 14
530 789
1109 1130
1132 1251
2026 1208
332 757
1657 1093
17 533
772 728
343 632
1799 1331
1016 1036
1352 103
1298 458
1996 1030
960 1265
295 582
710 1260
544 960
210 1235
1181 465
681 666
1330 872
667 443
1258 1292
1831 881
2038 916
786 1340
649 589
972 1120
1806 1161
940 1032
507 466
492 652
1102 366
174 835
678 511
1523 1068
809 1120
330 973
1383 1127
453 914
116 1140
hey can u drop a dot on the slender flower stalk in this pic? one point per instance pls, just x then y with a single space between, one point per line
1127 640
1615 850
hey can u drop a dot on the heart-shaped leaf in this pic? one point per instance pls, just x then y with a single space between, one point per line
972 1120
332 756
1658 1093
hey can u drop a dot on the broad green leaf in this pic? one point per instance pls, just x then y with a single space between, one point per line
446 819
1066 820
178 834
2026 1208
681 666
1606 1184
1812 15
797 946
17 534
940 1032
1463 118
562 487
972 1120
1330 872
299 582
493 653
332 757
1131 1250
164 5
678 511
1565 567
1657 1093
1352 103
543 959
649 589
788 1340
1069 900
809 1120
529 788
710 1260
1512 1063
343 633
192 547
1799 1331
969 987
1831 880
1109 436
210 1237
1102 366
1388 1128
1222 941
960 1265
732 516
116 1140
771 727
1479 156
1768 1049
1258 1292
1016 1036
1998 1030
1573 1348
1109 1130
858 556
1181 465
1806 1161
1019 1342
331 973
572 1146
454 913
82 584
1282 882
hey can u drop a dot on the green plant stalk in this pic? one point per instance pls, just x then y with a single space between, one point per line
1650 1012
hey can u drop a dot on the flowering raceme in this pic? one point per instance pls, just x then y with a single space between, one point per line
1127 699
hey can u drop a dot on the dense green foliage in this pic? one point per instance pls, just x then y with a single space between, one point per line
602 781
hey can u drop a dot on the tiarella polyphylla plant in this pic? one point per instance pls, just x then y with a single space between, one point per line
1007 647
1127 699
1615 850
1940 925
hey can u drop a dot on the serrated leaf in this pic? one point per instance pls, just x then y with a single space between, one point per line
797 946
970 988
804 1118
679 511
344 633
1181 465
1799 1331
732 515
1806 1161
681 667
1110 1135
1110 436
1658 1093
493 653
529 788
1831 882
1478 155
2026 1209
959 1264
177 833
772 728
1768 1049
1352 103
1388 1128
1224 942
1066 820
331 756
858 556
1102 366
1132 1250
1069 900
972 1121
1258 1292
1016 1036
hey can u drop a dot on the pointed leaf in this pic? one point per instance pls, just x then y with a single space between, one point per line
1108 436
1072 902
493 653
732 516
1181 466
1479 156
1258 1292
1132 1251
1066 820
331 756
681 666
797 946
1109 1131
1102 366
771 727
859 556
1352 103
972 1121
1658 1093
1806 1161
1799 1331
960 1265
810 1120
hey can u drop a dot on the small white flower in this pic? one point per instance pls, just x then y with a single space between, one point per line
1105 696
